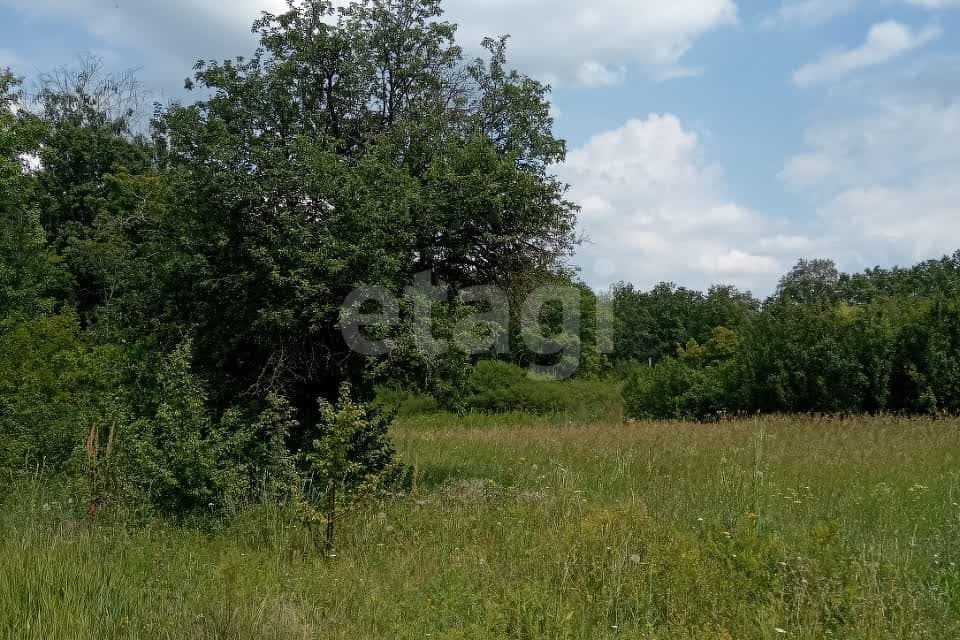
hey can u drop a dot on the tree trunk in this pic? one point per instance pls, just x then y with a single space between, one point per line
331 516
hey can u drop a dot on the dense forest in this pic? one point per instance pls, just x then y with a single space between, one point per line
171 286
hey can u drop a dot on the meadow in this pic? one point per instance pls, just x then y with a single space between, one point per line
523 527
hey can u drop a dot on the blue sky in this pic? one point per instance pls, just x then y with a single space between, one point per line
711 140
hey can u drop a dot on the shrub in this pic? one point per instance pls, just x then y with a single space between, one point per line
402 403
675 389
498 387
350 457
54 387
494 374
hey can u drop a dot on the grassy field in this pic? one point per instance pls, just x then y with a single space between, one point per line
532 528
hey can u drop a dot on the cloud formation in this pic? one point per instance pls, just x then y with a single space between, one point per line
885 41
888 182
566 41
655 209
935 4
807 13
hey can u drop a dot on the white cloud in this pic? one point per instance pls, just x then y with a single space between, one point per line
185 29
887 183
594 74
807 13
897 225
935 4
902 137
654 209
736 262
810 13
885 41
172 35
560 39
783 243
553 37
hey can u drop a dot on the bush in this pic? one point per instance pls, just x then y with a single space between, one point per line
54 387
489 375
675 389
402 403
498 387
183 462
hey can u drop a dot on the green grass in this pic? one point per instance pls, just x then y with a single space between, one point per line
544 528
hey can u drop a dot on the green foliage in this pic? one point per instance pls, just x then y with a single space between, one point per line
826 343
810 282
182 462
491 375
499 387
350 457
89 134
380 135
207 262
54 386
30 278
651 326
403 403
674 388
351 450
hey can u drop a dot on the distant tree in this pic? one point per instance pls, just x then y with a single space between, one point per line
810 282
653 325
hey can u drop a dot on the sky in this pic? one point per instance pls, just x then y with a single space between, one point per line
710 141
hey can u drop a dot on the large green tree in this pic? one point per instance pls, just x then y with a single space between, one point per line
356 146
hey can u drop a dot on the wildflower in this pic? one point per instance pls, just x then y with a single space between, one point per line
636 559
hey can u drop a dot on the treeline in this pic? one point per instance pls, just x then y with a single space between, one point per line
825 342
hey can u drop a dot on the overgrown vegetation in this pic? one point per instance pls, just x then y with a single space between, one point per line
175 288
184 423
541 529
876 342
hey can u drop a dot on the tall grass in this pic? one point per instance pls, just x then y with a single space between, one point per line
540 528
